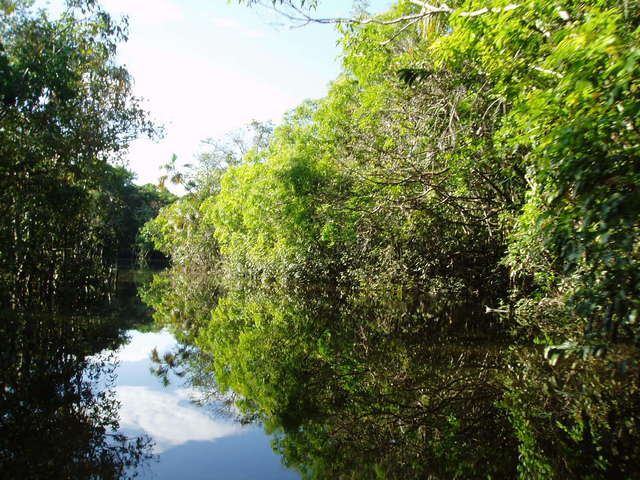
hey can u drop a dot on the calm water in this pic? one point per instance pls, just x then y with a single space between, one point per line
191 441
350 387
78 401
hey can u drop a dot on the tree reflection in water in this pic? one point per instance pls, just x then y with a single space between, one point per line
397 386
59 413
402 385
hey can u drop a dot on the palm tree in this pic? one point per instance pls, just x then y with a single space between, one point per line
172 174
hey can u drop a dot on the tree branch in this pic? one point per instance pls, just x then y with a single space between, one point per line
302 18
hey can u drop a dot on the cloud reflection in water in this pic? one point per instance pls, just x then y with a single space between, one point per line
140 345
169 423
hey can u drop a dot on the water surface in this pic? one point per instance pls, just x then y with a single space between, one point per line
191 441
78 401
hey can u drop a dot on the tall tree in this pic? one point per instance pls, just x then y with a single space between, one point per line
66 109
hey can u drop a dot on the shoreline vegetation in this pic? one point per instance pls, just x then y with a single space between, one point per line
431 272
68 211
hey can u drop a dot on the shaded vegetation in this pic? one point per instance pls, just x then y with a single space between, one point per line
68 210
59 410
66 114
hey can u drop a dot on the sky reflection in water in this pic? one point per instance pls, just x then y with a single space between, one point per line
190 441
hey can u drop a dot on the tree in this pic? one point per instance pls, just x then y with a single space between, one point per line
66 110
185 294
172 174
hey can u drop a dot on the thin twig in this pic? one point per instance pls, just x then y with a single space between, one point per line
304 18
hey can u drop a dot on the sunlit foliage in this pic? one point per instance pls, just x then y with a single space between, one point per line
466 195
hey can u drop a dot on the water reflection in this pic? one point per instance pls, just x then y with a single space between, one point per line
78 401
191 440
366 388
166 419
59 412
392 385
400 385
167 414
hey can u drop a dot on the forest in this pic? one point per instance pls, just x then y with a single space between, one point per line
431 272
70 213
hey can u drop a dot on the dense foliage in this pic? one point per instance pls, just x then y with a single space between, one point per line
67 213
66 110
466 197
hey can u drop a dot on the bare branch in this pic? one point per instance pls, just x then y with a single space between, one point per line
301 17
399 32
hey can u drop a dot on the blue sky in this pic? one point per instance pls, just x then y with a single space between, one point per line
206 67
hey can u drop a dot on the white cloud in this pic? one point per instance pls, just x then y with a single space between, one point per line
225 23
255 34
235 25
161 416
189 394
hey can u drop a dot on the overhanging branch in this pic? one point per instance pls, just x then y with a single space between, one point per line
301 17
